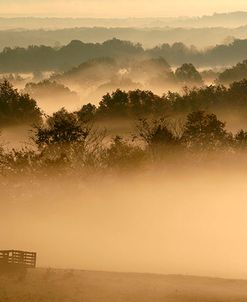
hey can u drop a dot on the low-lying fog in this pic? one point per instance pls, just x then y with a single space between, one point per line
193 222
92 80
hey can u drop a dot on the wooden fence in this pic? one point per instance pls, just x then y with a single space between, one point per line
17 258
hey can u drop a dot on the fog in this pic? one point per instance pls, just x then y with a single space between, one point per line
119 8
190 222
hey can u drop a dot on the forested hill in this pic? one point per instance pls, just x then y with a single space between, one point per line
41 58
149 36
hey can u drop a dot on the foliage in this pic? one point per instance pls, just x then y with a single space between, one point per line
235 73
187 74
65 144
17 108
87 112
156 133
61 128
160 137
204 131
67 141
46 88
136 104
64 141
132 104
241 139
122 155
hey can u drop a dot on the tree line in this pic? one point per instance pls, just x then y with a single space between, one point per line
72 142
64 144
19 108
138 103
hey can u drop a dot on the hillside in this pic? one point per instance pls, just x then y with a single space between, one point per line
44 58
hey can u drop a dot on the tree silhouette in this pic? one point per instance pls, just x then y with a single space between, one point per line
241 139
204 132
235 73
188 74
114 105
61 128
122 155
87 113
17 108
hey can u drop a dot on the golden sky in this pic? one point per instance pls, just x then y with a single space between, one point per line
118 8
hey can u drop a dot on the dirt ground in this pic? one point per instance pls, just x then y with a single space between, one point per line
87 286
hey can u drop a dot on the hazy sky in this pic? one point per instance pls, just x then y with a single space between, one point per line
118 8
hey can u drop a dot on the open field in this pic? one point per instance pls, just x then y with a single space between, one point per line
88 286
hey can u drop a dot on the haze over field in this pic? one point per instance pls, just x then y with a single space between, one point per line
190 223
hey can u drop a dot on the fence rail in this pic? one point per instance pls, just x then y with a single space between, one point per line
18 258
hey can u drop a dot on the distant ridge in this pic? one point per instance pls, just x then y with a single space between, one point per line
232 19
148 37
63 58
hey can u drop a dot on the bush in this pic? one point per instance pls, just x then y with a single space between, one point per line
121 155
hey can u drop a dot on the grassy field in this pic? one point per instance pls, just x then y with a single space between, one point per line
64 285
